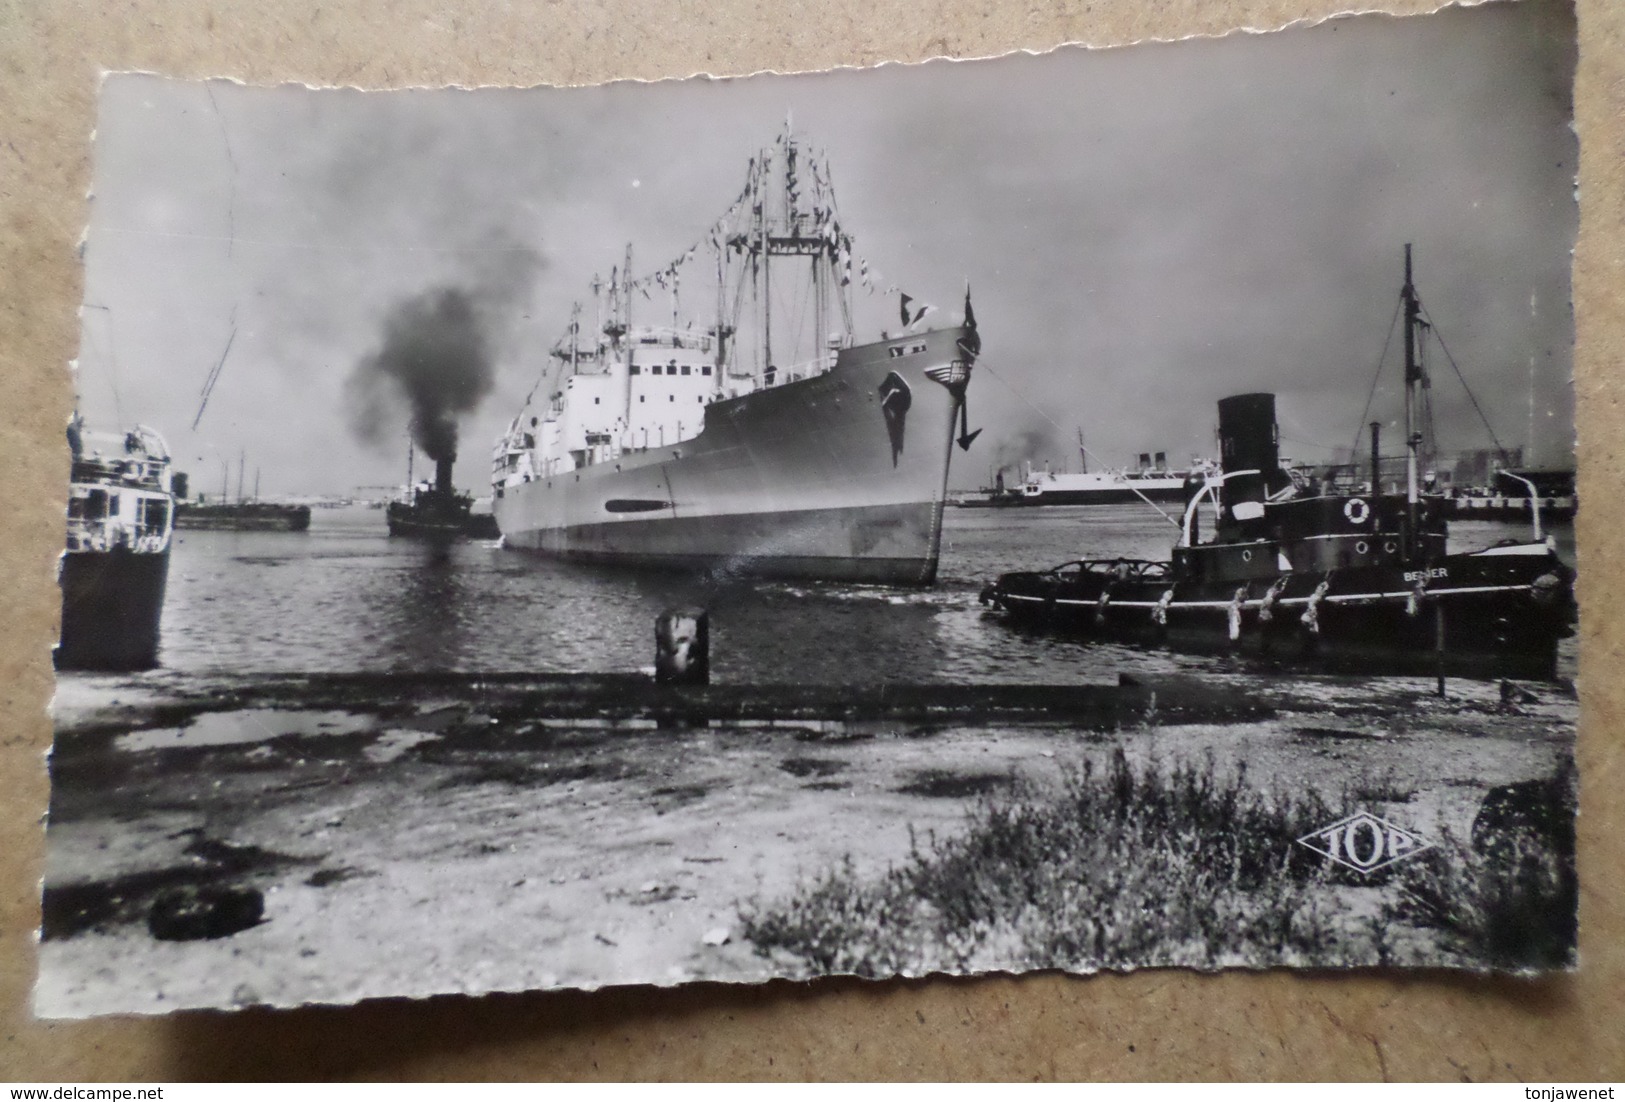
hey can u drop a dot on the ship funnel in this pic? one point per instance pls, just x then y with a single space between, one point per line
1248 437
442 474
1248 441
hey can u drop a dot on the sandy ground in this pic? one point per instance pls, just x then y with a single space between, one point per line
435 848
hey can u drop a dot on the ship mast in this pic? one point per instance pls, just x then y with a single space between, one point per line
783 229
764 287
1413 376
626 301
575 336
597 313
722 314
626 329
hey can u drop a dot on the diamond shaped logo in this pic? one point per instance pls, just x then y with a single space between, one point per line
1365 842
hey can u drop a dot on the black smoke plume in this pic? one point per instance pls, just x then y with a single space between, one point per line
1031 444
435 361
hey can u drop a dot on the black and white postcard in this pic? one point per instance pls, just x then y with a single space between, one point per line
1096 510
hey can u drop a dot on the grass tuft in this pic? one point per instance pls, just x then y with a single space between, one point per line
1120 867
1509 898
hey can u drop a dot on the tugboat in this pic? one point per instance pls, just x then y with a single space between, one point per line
1302 570
437 511
113 572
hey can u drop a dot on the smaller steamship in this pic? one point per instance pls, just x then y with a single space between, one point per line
1298 568
1151 481
436 510
121 518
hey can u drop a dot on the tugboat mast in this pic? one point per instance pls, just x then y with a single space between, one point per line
1413 375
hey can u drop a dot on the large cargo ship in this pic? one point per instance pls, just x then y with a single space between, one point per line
729 445
116 564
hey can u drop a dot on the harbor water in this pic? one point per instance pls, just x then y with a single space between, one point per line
344 596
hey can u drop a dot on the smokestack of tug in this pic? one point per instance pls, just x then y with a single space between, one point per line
1248 441
442 474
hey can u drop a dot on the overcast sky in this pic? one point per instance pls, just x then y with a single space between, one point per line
1146 230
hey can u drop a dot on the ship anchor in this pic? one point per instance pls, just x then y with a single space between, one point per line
895 399
965 435
971 347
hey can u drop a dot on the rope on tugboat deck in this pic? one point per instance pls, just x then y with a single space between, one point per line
1159 611
1266 608
1317 597
1311 615
1233 613
1419 592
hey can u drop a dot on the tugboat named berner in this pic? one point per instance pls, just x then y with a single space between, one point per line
121 515
1301 569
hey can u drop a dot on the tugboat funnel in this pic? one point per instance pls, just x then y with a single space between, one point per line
442 474
1249 441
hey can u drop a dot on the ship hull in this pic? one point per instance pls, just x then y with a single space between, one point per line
848 545
438 515
415 529
1107 495
112 603
817 479
1490 614
1553 510
403 522
243 518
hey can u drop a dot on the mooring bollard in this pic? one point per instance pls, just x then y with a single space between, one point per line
683 647
1438 643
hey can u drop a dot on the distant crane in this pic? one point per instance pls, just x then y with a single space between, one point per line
214 375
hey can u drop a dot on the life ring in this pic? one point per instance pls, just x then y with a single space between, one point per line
1356 510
